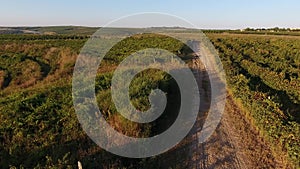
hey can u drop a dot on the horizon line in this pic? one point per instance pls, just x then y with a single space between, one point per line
87 26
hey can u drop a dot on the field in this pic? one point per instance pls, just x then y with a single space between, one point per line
39 127
263 74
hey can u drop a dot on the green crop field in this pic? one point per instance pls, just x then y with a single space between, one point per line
264 75
38 124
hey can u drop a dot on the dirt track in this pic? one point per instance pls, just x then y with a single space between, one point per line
234 144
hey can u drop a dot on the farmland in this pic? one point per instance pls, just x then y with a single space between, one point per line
39 127
263 74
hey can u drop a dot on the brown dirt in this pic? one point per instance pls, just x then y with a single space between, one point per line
236 143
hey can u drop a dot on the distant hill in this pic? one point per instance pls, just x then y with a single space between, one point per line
81 30
5 30
51 30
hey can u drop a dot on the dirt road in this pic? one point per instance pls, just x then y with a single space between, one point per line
234 144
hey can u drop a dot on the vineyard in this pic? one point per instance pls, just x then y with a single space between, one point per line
263 74
39 127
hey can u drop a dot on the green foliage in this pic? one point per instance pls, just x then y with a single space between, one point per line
142 85
138 42
39 128
267 70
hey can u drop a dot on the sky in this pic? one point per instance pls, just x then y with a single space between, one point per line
209 14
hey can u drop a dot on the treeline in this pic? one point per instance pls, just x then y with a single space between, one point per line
276 29
259 31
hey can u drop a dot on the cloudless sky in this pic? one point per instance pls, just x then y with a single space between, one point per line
215 14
